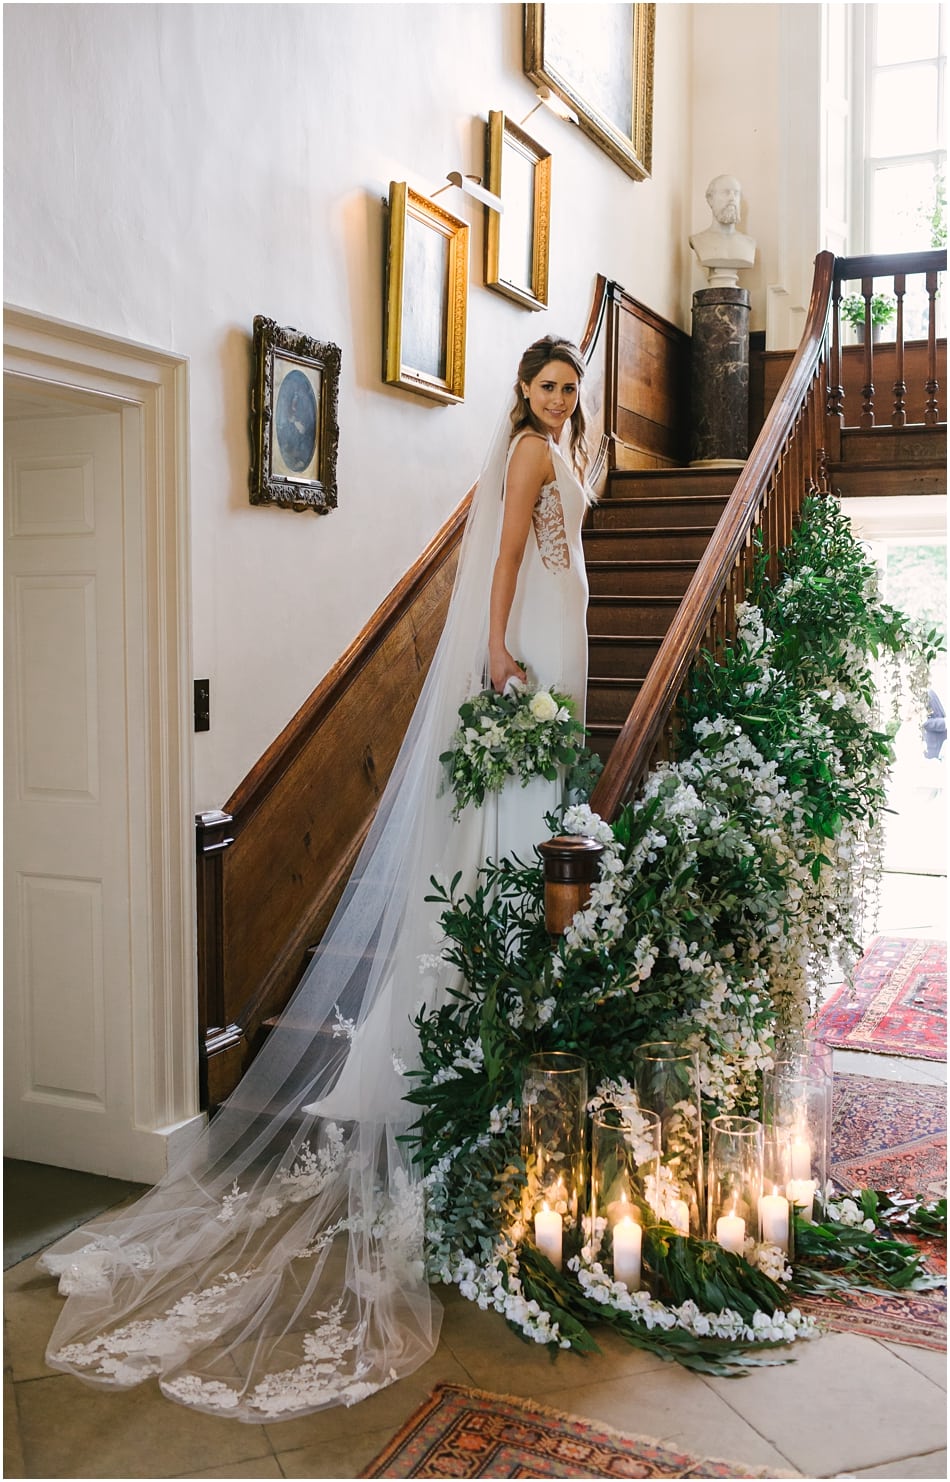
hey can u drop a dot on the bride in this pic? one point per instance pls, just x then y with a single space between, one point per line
278 1267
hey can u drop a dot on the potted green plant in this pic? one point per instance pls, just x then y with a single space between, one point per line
883 309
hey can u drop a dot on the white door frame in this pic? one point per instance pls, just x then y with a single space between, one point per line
150 388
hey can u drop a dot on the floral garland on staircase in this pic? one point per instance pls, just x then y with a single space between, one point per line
727 890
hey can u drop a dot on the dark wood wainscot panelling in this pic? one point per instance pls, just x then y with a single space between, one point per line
647 389
273 862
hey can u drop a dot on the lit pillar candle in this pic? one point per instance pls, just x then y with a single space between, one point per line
801 1193
801 1158
773 1219
679 1216
730 1232
548 1232
628 1238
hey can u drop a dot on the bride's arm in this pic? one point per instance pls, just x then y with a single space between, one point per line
530 468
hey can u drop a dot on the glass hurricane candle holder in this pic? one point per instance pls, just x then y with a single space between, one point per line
796 1112
736 1155
666 1079
625 1165
553 1145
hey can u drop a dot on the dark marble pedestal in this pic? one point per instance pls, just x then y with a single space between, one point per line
720 376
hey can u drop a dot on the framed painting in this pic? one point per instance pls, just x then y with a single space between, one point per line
517 244
426 297
599 60
294 427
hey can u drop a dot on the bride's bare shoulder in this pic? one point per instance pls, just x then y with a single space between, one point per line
532 457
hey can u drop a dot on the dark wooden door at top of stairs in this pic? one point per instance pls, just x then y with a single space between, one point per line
642 544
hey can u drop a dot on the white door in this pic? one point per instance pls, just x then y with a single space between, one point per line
72 878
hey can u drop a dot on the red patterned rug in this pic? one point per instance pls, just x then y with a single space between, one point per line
462 1432
890 1135
898 1004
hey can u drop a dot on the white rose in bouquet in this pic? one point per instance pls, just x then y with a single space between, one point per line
543 706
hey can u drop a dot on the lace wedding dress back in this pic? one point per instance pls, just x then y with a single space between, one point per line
278 1268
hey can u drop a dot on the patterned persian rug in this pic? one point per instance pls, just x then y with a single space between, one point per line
462 1432
890 1135
898 1005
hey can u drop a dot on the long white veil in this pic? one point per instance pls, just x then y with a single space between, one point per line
278 1267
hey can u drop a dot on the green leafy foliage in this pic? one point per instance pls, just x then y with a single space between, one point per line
576 1312
726 888
521 734
831 1256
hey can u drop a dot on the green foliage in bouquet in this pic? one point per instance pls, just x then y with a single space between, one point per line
522 733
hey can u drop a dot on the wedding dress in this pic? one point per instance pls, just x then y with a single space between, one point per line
278 1267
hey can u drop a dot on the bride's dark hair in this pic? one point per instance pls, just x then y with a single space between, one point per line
535 358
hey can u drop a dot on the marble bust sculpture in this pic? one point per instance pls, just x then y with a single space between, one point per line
721 249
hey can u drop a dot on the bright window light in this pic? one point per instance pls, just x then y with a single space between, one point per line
905 152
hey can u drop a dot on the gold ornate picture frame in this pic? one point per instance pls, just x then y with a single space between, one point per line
426 297
294 426
517 244
598 58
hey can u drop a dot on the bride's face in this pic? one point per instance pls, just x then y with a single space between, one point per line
552 395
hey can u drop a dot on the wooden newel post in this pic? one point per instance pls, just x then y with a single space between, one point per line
571 865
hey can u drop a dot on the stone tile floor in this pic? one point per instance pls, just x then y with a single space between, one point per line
847 1407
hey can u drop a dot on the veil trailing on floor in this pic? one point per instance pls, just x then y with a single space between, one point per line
278 1267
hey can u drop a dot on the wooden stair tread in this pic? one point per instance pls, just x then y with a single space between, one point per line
847 465
726 477
599 598
648 563
622 639
606 533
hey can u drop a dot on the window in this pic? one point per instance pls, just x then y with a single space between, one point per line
904 152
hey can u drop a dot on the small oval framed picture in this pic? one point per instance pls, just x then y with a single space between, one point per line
294 426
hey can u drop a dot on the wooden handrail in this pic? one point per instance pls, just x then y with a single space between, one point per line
886 265
696 617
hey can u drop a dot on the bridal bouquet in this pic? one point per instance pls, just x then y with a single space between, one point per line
521 733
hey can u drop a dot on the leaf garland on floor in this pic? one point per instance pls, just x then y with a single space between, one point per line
834 1256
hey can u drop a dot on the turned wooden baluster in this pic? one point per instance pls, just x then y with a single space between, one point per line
867 390
931 410
773 498
899 414
834 404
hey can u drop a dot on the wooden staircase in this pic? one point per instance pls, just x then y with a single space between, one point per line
669 554
642 544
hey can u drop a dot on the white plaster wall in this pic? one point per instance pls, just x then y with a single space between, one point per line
172 170
756 100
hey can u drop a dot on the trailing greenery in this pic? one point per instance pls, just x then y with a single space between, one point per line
726 891
851 1246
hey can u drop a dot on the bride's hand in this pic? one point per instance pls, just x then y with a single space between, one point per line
504 667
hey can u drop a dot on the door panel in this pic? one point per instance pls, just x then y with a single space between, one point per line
68 868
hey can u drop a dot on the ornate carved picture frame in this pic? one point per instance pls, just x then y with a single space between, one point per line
517 244
599 59
426 297
294 426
